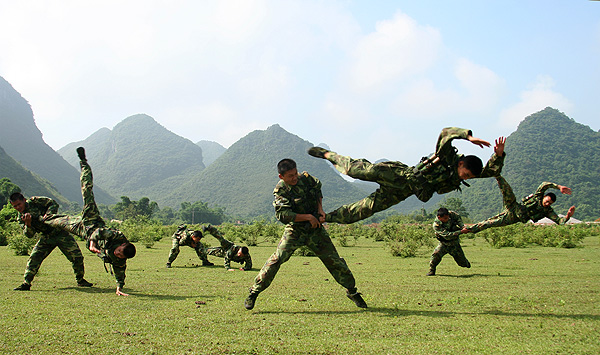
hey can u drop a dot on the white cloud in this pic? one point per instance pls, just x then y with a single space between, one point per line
398 48
539 96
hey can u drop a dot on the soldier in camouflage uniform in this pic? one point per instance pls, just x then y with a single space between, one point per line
442 172
30 212
298 204
108 243
448 227
228 250
190 238
533 207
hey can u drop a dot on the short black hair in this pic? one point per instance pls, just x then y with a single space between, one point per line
17 196
197 234
129 250
472 163
285 165
245 250
552 196
443 211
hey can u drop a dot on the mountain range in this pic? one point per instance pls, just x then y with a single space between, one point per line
140 158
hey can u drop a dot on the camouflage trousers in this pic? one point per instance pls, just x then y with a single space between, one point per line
90 218
513 212
318 241
453 249
175 251
394 178
67 245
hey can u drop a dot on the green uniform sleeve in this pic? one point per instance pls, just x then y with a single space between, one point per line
541 190
447 136
248 263
119 270
450 230
494 166
227 259
283 206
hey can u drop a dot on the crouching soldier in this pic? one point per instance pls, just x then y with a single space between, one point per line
190 238
228 250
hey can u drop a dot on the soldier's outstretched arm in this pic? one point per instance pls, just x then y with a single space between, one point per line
564 190
478 141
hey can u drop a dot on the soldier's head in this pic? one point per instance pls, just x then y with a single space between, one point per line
549 199
125 251
443 214
287 171
196 236
469 166
243 251
17 200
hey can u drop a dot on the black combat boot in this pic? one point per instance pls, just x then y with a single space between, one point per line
207 263
249 302
431 272
317 152
84 283
81 153
168 265
23 287
356 298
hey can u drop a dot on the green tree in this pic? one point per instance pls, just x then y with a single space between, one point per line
455 204
7 188
199 212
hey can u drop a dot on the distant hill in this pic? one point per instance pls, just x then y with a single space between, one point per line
243 178
22 140
30 183
211 151
138 158
547 146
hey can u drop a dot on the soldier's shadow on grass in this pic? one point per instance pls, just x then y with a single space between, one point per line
473 275
111 290
395 312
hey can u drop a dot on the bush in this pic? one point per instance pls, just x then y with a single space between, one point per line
17 240
405 240
142 229
522 235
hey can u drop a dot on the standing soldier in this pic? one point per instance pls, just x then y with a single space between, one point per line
228 250
298 204
108 243
190 238
442 172
30 212
448 227
533 207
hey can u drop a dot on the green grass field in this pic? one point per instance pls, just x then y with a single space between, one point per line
512 301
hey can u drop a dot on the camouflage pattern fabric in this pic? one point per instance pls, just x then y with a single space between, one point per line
50 238
290 200
448 233
530 208
228 250
184 238
91 226
398 181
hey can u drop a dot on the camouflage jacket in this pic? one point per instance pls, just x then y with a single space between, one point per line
37 207
108 240
441 175
533 208
449 231
302 198
184 238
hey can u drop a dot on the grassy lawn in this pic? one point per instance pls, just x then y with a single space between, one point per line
512 301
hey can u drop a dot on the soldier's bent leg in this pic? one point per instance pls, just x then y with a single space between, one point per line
320 243
174 251
69 247
508 196
459 256
436 258
379 200
40 251
289 242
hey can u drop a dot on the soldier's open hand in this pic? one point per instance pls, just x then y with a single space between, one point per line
499 146
478 141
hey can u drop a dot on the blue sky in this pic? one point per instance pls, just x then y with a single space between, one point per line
372 79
